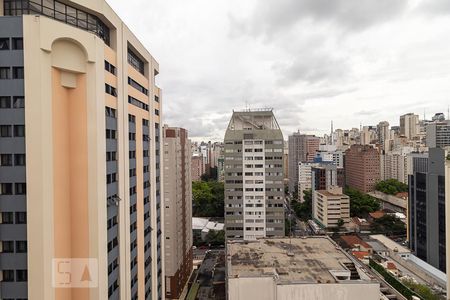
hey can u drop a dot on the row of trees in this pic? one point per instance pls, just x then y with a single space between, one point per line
391 187
361 204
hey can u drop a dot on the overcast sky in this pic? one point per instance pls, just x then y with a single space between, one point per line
313 61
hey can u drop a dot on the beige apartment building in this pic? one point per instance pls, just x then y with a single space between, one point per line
82 121
177 211
362 167
331 205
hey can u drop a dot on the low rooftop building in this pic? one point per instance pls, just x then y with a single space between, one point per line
300 268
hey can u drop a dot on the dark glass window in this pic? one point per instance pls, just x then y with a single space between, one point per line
21 246
135 61
21 275
17 43
5 102
4 72
8 275
19 159
110 90
18 102
5 131
4 43
19 130
7 246
7 218
21 217
110 68
18 73
5 160
137 86
21 188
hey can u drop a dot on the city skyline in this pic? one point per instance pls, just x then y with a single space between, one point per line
339 62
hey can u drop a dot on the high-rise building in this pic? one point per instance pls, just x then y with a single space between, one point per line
79 144
254 191
409 125
305 178
177 210
302 148
326 175
197 167
384 135
426 207
395 164
438 134
330 206
362 167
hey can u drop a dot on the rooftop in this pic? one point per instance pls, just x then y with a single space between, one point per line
390 244
307 260
353 240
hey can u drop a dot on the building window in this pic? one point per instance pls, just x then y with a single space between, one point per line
144 122
137 86
21 188
17 43
5 102
157 112
21 247
21 217
4 43
8 275
110 90
5 160
6 188
18 102
110 68
19 130
17 72
19 159
21 275
131 118
132 154
156 98
111 134
110 112
135 61
132 136
7 247
4 72
7 218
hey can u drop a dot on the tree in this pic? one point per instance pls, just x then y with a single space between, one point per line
361 204
389 225
303 210
208 199
391 186
340 223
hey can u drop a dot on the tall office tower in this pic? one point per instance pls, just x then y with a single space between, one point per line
426 207
177 210
325 175
197 167
438 134
384 135
409 125
362 167
302 148
79 144
254 193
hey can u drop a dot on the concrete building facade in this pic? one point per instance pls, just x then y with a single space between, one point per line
312 267
254 190
409 125
177 210
438 134
330 206
302 148
80 139
197 167
362 167
426 209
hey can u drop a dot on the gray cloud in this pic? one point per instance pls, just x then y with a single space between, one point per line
434 7
271 18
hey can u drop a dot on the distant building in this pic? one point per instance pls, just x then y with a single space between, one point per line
409 125
438 134
384 135
197 167
297 269
302 148
395 164
426 208
254 189
221 169
326 175
304 177
362 167
177 210
330 206
202 226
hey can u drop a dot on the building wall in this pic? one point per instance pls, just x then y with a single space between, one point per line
330 206
362 167
178 210
265 288
254 190
197 168
70 165
426 208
